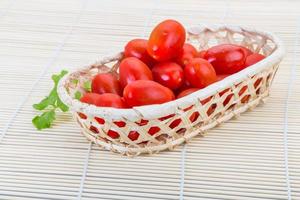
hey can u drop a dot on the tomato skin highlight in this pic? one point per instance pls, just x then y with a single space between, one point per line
187 54
146 92
169 74
132 69
226 58
200 73
166 40
253 58
138 48
187 92
106 83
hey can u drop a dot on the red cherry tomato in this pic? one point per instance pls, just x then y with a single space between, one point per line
120 123
145 92
113 134
257 82
200 73
247 51
187 92
166 40
169 74
111 100
153 130
132 69
188 53
185 85
138 48
103 100
222 76
201 54
226 58
133 135
254 58
106 83
91 98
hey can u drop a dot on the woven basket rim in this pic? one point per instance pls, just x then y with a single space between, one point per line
159 110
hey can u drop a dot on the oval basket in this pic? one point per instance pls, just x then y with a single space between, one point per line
164 126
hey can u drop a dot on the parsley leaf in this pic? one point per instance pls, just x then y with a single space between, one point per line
57 77
44 120
75 81
63 107
87 86
78 95
52 102
47 101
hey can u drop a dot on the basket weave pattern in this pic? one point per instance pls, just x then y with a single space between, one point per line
164 126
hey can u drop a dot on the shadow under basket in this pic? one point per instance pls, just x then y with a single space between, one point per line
153 128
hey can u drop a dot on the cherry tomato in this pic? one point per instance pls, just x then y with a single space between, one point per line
138 48
187 92
257 82
201 54
175 123
133 135
247 51
226 58
200 73
120 123
166 40
222 76
205 101
94 129
188 53
185 85
145 92
246 98
106 83
91 98
169 74
113 134
103 100
132 69
111 100
153 130
82 116
126 106
254 58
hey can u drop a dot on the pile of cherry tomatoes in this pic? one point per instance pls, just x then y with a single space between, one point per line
164 68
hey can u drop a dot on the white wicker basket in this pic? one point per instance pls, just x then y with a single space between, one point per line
175 122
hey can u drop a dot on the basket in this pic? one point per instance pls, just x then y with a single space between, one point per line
167 125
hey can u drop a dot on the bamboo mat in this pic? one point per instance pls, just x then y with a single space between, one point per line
256 156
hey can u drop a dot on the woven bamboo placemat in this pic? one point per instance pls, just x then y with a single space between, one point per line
256 156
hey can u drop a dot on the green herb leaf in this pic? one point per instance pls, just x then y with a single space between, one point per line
78 95
87 86
75 81
47 101
45 120
53 102
57 77
63 107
